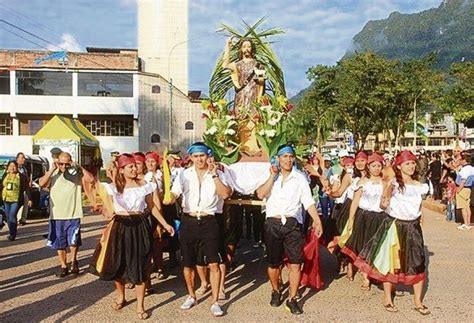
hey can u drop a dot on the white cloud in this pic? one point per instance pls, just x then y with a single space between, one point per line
69 43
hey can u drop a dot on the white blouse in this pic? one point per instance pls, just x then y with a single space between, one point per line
406 204
349 192
370 198
132 199
158 177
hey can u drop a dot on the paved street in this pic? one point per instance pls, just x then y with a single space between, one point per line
30 292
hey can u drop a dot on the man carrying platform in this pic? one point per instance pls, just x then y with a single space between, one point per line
201 186
286 191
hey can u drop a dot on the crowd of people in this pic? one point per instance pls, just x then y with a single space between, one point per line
370 217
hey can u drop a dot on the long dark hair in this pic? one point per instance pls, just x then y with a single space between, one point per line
252 47
399 178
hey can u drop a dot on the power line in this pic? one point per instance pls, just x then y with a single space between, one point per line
18 35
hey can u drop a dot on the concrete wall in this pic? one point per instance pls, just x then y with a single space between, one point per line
154 114
162 39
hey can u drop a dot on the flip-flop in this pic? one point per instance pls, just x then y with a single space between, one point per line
365 287
391 308
202 290
423 310
118 306
143 315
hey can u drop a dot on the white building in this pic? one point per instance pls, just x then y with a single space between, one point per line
125 108
123 96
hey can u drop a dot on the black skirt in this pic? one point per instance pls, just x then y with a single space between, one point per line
397 245
366 224
124 250
341 215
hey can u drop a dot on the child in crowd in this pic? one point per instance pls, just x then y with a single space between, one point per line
451 196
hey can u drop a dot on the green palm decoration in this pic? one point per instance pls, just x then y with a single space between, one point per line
221 81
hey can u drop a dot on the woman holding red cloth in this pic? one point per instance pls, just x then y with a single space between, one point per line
395 254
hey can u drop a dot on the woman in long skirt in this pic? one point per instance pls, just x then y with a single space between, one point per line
124 250
365 214
395 254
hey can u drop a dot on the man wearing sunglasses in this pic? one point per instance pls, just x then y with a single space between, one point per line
65 181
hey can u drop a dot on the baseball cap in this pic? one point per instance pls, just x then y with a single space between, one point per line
327 157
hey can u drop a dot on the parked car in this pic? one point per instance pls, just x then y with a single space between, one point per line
36 167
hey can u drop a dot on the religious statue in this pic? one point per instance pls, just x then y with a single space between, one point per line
248 77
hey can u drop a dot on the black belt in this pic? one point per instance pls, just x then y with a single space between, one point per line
198 217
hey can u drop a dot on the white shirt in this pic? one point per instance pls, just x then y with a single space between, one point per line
132 199
406 205
466 171
198 197
158 177
175 171
287 196
371 196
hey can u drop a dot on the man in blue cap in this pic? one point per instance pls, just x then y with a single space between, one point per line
202 187
287 191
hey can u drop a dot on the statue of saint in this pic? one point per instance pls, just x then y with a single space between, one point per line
248 77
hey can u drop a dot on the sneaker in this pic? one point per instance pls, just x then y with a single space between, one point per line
292 306
62 272
276 299
22 223
188 303
463 227
11 238
216 310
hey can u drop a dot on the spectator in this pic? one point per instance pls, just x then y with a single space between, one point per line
464 182
451 197
434 174
14 187
422 166
26 203
65 182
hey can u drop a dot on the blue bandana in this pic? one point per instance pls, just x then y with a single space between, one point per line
199 148
286 150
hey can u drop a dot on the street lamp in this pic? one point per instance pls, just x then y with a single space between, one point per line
414 119
170 121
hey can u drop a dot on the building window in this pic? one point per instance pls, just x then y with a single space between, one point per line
105 84
155 89
4 82
6 125
29 127
189 125
117 126
155 138
44 83
435 142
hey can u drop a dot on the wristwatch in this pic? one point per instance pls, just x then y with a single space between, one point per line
215 176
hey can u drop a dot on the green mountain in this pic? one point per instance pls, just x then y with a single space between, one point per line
447 30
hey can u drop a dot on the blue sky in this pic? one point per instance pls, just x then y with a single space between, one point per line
318 31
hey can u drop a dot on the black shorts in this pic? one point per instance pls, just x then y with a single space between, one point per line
281 240
199 240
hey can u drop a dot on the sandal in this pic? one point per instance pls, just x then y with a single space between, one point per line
365 287
118 306
143 315
391 308
202 290
423 310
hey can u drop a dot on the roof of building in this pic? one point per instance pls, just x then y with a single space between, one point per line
118 59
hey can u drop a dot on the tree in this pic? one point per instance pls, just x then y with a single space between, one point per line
457 94
314 117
